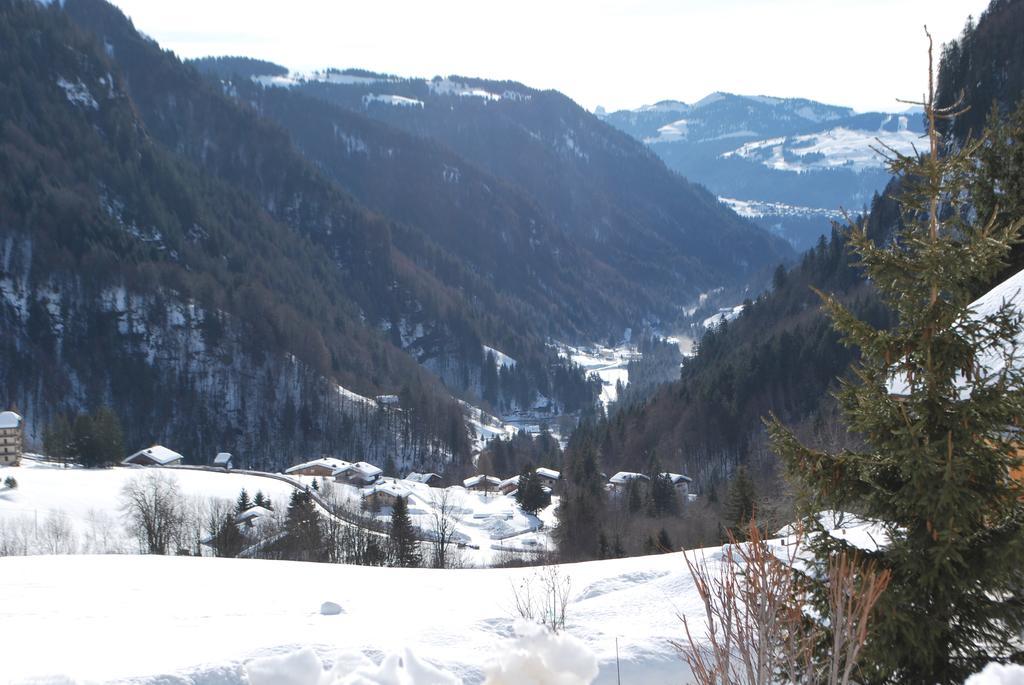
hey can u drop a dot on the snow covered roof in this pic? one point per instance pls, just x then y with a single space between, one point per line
991 360
326 462
10 419
389 488
253 512
361 467
477 480
417 477
623 477
548 473
677 478
222 458
156 453
514 480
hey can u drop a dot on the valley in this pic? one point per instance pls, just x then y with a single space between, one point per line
431 371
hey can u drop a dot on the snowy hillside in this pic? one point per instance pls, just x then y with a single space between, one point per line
79 510
176 619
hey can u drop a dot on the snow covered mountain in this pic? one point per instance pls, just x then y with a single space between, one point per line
788 163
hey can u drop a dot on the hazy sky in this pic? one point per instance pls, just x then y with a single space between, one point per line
615 53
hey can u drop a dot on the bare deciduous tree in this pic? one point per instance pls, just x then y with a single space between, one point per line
445 508
153 505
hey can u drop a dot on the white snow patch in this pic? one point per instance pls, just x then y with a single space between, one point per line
671 133
724 314
839 147
395 100
277 81
448 87
77 93
500 358
998 674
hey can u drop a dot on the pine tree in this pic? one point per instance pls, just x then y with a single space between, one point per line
664 498
739 503
228 540
108 440
84 441
935 471
243 502
402 536
259 500
531 495
58 439
304 528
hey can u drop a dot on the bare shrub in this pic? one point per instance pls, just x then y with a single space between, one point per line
543 597
758 630
57 535
103 534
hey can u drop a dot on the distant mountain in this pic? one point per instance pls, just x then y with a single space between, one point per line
631 232
789 164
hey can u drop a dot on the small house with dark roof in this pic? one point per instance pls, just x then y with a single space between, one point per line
157 455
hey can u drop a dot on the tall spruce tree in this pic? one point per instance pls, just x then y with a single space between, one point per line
934 417
740 502
531 496
402 536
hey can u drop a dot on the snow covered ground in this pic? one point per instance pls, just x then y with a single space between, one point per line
837 147
487 526
609 363
148 619
89 499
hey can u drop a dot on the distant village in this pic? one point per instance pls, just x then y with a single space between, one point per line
376 489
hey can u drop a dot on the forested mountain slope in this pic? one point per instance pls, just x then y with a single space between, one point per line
633 221
133 277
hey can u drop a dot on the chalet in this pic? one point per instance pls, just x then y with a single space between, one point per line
223 460
11 438
323 467
383 495
253 516
388 401
623 478
425 478
359 473
548 477
157 455
482 483
681 482
509 485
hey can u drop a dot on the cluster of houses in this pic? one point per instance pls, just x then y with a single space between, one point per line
549 478
158 455
622 479
358 473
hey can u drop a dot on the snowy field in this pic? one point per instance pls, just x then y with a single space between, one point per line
178 620
89 499
488 525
